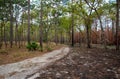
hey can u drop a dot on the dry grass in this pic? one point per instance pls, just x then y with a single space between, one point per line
15 54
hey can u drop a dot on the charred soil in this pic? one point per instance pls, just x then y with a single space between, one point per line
83 63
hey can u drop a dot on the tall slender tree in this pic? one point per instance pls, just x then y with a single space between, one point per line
117 23
11 23
28 35
72 25
92 5
41 26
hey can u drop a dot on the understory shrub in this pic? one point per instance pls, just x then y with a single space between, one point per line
48 48
40 48
32 46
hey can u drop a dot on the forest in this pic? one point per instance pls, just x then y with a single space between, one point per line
77 21
31 28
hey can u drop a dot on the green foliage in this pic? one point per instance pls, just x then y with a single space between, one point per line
48 48
32 46
29 47
40 48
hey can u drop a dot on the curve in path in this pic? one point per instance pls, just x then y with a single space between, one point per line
21 70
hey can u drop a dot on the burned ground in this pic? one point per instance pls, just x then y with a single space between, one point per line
82 63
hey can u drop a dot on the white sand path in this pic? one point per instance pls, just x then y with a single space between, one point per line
22 69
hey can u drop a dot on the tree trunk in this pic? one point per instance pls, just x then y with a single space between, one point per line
41 26
47 31
1 35
19 39
117 24
88 36
72 25
80 38
61 37
16 33
113 27
5 42
28 35
56 41
11 24
102 31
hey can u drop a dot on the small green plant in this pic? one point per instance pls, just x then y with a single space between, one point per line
40 48
32 46
28 46
48 48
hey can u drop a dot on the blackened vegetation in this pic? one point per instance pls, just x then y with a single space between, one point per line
84 63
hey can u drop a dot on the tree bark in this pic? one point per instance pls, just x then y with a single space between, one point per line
117 23
56 36
41 26
72 25
16 33
113 27
88 35
5 42
11 24
61 37
28 35
1 35
102 30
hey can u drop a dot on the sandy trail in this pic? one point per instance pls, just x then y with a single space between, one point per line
21 70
